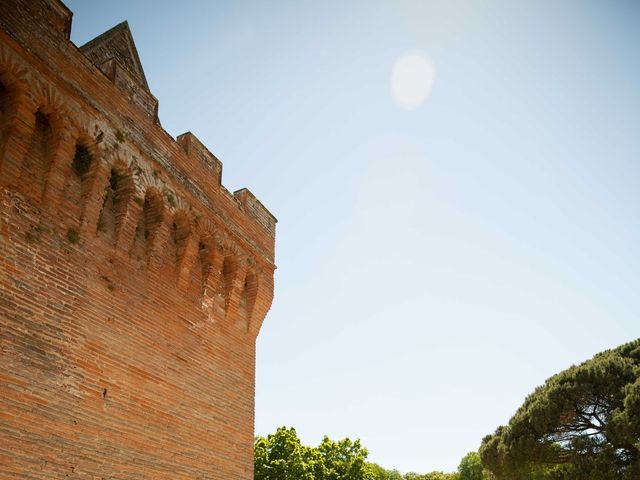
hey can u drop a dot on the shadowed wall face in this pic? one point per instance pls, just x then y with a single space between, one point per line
132 283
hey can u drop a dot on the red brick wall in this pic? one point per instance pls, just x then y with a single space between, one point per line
132 284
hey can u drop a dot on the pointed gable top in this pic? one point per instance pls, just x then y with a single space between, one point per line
116 44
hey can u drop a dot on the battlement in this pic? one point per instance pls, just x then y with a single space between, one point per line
196 150
114 55
122 256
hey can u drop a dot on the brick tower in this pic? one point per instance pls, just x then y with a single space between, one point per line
132 283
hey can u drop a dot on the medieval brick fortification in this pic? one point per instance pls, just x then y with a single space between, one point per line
132 283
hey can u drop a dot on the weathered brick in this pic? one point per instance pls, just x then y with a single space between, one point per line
132 283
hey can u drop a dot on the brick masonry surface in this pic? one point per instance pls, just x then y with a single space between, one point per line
132 283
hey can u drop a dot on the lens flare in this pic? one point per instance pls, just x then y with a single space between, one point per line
412 79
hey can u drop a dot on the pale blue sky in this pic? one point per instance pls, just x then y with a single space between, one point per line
435 265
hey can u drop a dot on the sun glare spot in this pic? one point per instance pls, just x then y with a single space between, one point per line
412 79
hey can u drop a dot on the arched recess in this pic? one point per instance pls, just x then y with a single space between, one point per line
119 192
15 130
202 267
37 162
5 102
11 88
179 234
78 181
230 266
148 224
248 298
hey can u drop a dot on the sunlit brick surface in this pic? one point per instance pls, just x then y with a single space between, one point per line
132 283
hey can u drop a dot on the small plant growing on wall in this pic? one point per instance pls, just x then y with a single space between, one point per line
73 236
33 235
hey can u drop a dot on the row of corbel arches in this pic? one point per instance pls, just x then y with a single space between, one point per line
59 168
206 263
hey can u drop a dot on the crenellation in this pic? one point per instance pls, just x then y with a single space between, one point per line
256 209
50 19
195 149
124 243
193 171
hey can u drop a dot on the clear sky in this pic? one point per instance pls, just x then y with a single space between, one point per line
438 263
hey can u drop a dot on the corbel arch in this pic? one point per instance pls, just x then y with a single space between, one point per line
13 90
149 224
6 100
200 263
78 173
46 136
119 192
180 232
247 298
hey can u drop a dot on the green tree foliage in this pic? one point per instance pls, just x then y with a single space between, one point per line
470 467
342 460
431 476
379 473
281 456
582 423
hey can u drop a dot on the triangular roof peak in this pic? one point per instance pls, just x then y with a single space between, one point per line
117 44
